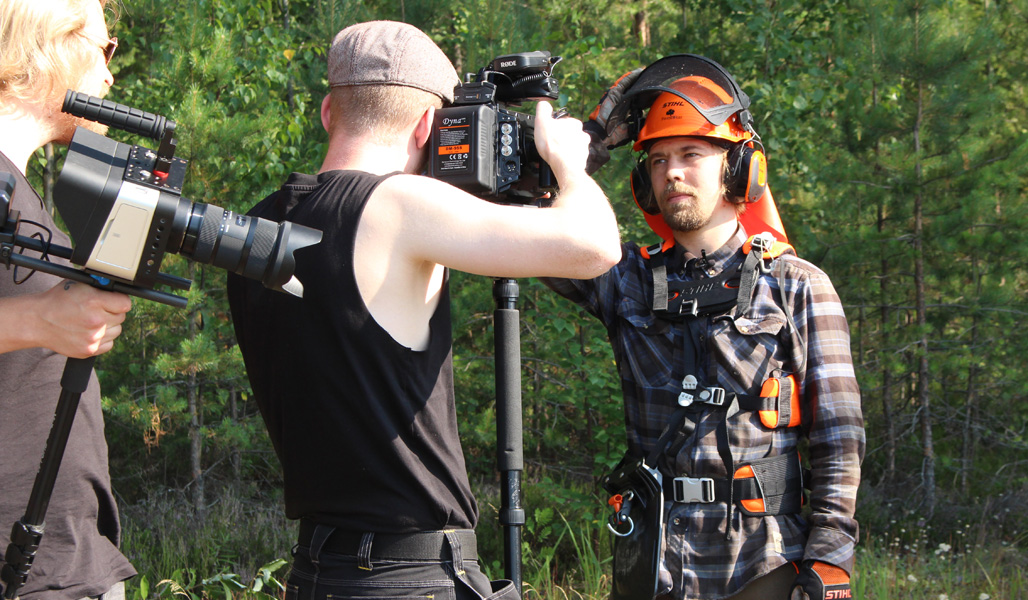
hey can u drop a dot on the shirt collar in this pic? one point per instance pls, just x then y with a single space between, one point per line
715 262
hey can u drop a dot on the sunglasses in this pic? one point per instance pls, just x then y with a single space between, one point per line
112 45
108 48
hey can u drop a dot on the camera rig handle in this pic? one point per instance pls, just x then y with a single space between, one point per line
127 119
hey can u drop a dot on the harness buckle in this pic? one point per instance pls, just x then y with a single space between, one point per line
692 310
713 395
694 489
763 242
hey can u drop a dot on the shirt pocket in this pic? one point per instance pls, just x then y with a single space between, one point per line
752 350
749 349
647 344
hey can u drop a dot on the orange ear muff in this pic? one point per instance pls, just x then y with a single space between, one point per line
747 172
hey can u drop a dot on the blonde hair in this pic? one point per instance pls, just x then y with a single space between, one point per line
41 53
383 111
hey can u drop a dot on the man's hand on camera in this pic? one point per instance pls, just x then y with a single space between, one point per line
78 320
603 133
560 142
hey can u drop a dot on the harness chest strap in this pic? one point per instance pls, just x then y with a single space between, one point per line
778 402
716 294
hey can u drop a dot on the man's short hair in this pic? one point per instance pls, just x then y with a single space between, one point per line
380 111
41 49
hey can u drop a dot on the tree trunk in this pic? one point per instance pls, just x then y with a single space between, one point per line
195 423
195 445
889 475
285 26
237 457
641 26
924 393
887 413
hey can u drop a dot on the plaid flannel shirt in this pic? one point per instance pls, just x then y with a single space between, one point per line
737 352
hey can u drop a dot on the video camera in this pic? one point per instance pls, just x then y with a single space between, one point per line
123 208
487 150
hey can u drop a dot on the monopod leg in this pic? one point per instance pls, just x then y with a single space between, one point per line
27 533
509 443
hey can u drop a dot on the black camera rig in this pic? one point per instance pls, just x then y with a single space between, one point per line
124 211
487 150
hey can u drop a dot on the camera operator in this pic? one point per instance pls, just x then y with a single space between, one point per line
354 380
46 47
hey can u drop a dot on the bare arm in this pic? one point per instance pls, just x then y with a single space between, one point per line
433 222
70 318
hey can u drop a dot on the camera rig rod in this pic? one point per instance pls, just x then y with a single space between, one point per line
509 443
9 257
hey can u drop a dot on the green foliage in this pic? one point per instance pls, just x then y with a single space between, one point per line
838 90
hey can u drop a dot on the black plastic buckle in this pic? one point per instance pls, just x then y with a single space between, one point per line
694 489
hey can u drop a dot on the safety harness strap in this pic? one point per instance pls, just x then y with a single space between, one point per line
768 486
718 294
659 271
778 402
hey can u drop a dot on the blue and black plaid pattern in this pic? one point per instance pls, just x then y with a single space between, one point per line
737 352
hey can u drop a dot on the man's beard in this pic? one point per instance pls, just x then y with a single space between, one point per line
683 216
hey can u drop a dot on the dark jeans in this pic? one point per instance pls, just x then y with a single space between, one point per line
319 574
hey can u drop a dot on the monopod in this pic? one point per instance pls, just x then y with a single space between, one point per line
509 444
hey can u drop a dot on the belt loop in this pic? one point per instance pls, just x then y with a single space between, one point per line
458 557
364 552
318 539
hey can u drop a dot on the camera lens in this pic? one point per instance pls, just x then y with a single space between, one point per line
249 246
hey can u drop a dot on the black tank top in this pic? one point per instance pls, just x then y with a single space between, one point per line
365 427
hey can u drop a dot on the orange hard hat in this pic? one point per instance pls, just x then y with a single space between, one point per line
691 95
677 112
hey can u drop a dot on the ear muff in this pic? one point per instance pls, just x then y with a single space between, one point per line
746 177
642 189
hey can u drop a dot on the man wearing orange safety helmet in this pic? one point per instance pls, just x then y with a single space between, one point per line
732 351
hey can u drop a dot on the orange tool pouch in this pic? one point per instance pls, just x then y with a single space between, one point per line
782 395
770 486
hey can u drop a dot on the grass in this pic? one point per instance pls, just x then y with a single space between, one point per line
566 553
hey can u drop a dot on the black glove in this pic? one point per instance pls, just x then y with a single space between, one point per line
821 581
603 133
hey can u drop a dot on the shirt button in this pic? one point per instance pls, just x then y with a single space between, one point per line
677 521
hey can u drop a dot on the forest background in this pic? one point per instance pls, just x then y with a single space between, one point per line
897 138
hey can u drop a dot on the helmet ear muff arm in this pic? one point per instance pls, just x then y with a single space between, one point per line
746 175
642 188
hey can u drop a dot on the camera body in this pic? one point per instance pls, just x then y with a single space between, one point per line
123 208
485 149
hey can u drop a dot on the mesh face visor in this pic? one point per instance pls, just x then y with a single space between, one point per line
658 78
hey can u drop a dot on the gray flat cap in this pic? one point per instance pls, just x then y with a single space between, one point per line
392 53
